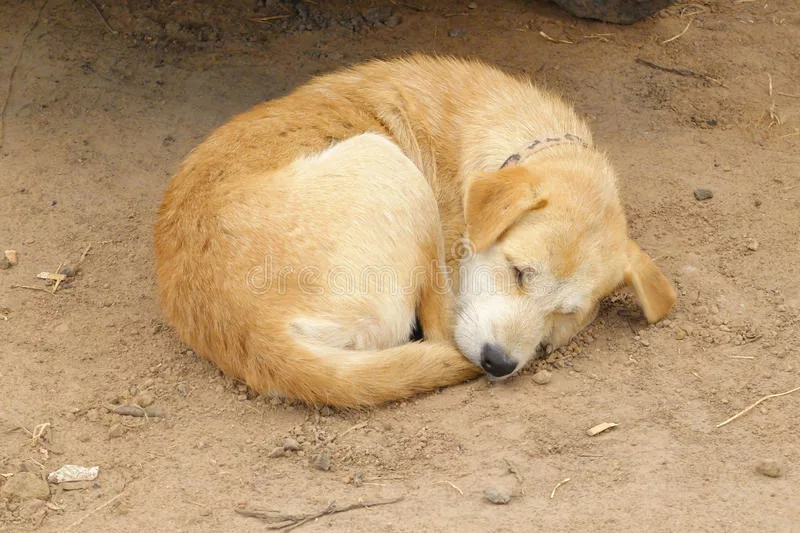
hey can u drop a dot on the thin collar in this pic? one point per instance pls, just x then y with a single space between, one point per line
540 144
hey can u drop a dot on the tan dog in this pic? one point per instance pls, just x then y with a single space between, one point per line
298 243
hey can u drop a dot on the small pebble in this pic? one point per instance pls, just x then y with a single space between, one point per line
291 445
497 497
144 399
457 32
752 245
276 452
11 255
680 334
542 377
472 5
321 461
769 468
703 194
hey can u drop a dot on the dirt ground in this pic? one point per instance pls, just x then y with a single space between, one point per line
98 117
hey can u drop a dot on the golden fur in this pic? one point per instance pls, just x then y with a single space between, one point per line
385 177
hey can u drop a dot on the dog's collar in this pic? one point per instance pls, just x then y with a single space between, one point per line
540 144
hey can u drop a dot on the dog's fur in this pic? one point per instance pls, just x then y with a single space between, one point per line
298 243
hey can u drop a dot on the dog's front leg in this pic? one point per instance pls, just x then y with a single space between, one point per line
435 307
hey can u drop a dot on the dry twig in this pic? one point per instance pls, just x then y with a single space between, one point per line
679 35
461 492
287 522
103 17
552 40
679 71
747 409
93 511
553 493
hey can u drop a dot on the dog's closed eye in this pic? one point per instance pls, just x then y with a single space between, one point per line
524 275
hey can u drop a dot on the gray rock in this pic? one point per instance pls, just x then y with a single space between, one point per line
25 486
276 452
321 461
291 445
457 32
616 11
703 194
497 497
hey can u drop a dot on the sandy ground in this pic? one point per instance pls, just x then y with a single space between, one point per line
98 118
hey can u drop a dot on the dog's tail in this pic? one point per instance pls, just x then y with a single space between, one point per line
321 375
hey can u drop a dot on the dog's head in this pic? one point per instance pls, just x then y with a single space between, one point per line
548 241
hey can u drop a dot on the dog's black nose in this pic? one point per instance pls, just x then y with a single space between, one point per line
495 361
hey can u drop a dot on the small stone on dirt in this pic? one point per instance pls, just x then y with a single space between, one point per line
321 461
472 5
752 245
703 194
497 497
542 377
769 468
144 399
291 445
457 32
276 452
25 486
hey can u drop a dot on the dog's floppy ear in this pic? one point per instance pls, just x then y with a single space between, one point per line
495 200
654 291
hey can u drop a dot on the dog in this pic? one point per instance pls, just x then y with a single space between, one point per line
299 244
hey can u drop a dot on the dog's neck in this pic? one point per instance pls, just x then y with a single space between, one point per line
540 144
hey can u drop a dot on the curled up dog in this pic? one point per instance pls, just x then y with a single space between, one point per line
299 244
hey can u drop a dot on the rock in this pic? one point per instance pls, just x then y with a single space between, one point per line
472 5
497 497
457 32
144 399
703 194
116 431
25 486
616 11
276 452
769 468
11 255
680 334
291 445
542 377
752 245
321 461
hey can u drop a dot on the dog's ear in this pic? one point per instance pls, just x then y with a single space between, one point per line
495 200
654 291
